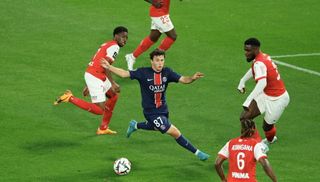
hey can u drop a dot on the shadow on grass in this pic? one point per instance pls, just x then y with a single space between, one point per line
43 147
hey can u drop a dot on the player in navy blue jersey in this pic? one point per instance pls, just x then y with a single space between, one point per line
153 85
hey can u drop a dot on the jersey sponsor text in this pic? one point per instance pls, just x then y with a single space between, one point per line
240 175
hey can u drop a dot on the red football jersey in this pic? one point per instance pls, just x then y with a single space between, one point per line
242 154
109 51
275 86
164 10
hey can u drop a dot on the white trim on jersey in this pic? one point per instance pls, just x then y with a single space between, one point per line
225 150
258 151
112 51
260 70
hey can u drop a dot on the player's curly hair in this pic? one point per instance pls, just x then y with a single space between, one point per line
157 52
253 42
119 29
247 128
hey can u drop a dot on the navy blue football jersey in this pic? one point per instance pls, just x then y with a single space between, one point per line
153 86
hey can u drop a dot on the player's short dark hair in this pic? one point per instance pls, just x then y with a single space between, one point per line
247 127
157 52
119 29
253 42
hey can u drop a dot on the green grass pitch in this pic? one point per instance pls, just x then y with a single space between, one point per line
45 46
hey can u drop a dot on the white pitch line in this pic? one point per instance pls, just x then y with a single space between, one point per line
297 55
297 68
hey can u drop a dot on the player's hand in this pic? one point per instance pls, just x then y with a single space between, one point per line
197 75
242 90
115 87
241 87
85 91
104 63
157 4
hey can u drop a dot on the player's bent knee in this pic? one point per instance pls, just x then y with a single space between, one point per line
266 126
245 115
101 105
174 37
173 131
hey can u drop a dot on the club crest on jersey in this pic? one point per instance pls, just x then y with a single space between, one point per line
164 79
157 88
162 127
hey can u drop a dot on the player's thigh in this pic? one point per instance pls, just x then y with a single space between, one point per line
260 103
155 35
97 88
162 23
275 108
251 112
160 122
172 34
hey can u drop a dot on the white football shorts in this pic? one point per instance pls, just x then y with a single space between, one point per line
273 107
162 23
97 88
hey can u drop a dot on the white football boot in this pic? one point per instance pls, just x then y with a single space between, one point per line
265 143
130 61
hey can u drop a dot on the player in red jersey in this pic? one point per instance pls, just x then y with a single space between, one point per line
160 23
269 95
242 153
99 82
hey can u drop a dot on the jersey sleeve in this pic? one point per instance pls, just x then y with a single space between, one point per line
112 52
173 76
260 70
136 74
258 151
224 152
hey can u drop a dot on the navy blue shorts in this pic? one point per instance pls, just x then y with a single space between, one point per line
160 122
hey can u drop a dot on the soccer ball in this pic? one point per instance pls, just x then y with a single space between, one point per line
122 166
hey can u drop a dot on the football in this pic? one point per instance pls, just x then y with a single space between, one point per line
122 166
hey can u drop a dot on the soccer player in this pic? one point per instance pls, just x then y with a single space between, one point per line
160 23
154 82
269 95
242 153
99 82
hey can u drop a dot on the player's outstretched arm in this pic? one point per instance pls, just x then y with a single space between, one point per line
261 84
242 84
219 169
118 71
267 169
190 79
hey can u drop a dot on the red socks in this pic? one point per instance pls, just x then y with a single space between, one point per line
109 106
270 134
90 107
166 43
145 44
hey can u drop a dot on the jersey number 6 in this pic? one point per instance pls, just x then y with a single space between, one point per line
240 160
